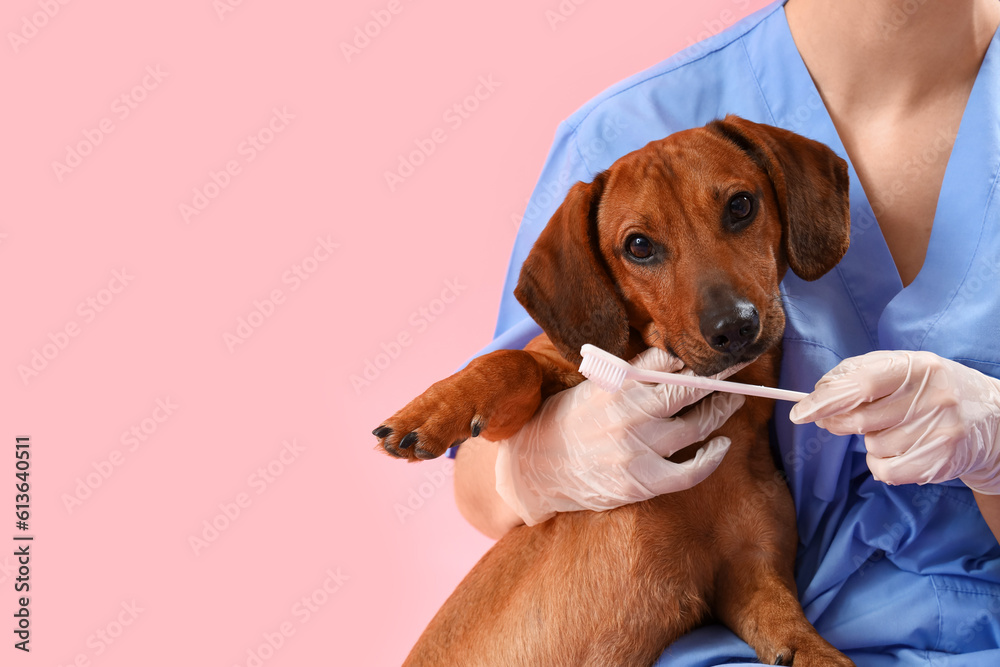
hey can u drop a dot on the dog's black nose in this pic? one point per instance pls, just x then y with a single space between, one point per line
730 327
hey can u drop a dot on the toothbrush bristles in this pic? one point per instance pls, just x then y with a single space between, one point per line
605 375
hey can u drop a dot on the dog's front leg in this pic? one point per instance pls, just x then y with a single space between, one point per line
492 397
760 606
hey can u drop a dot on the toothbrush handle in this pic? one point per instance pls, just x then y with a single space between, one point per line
715 385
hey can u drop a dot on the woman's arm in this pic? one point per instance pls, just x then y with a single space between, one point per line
925 419
590 449
990 507
475 489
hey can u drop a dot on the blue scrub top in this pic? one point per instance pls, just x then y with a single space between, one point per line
906 575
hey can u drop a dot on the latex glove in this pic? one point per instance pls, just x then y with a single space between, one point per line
590 449
925 419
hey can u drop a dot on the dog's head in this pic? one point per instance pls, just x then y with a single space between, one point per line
682 243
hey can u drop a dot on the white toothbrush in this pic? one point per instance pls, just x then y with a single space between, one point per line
609 372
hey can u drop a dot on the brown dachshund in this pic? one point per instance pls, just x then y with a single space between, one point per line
680 245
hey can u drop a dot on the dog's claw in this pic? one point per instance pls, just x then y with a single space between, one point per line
447 413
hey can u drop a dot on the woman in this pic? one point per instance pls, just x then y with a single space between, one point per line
889 571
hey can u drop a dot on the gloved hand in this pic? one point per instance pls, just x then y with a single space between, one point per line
590 449
925 419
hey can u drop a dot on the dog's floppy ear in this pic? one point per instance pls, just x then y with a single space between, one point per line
812 189
564 283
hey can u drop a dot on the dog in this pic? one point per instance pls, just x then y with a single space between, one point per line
681 245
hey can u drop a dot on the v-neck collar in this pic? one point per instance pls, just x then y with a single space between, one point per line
868 271
960 218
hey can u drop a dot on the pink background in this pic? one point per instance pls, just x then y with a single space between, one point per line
374 545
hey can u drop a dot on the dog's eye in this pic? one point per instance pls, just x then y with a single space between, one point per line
741 206
639 246
740 212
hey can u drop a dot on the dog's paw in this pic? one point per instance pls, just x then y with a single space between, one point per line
493 396
436 420
819 656
821 659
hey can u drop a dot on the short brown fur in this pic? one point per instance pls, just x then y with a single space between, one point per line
617 587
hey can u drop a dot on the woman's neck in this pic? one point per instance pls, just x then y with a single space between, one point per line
888 56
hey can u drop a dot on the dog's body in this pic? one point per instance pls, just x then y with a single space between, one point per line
680 245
